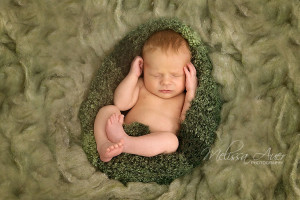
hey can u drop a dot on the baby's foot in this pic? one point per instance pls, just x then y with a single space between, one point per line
114 128
109 150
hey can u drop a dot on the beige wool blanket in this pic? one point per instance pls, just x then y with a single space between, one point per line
50 51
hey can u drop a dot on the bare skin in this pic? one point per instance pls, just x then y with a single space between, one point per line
157 100
109 150
114 129
106 149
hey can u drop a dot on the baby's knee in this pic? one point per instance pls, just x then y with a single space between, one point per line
172 143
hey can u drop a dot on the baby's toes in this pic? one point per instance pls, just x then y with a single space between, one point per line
116 117
121 143
110 119
112 147
113 117
121 119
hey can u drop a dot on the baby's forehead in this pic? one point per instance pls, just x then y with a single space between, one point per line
169 52
158 60
158 55
166 68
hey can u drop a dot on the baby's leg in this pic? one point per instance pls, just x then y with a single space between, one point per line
147 145
151 144
106 149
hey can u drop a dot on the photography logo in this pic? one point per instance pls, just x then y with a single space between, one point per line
259 158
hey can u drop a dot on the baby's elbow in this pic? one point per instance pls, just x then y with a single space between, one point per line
120 105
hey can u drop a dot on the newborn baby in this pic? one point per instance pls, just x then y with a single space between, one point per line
159 98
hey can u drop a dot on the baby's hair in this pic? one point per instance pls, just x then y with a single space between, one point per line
165 40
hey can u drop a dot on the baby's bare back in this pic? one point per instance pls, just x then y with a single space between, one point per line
158 113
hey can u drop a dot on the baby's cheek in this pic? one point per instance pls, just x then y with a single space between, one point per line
182 84
183 81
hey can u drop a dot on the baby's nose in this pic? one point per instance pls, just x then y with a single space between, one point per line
166 80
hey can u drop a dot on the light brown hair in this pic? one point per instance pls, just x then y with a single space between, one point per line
165 40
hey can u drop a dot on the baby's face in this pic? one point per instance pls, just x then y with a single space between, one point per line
163 72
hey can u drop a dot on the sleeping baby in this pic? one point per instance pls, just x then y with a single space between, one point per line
158 91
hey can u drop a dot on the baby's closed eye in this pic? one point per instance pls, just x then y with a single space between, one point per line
177 75
156 75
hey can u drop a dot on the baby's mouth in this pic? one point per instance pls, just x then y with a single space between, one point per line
165 91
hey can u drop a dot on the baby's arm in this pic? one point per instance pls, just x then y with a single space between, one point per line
126 94
190 86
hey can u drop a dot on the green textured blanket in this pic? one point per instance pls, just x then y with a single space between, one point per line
50 52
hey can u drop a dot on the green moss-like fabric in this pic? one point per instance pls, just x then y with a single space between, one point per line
197 132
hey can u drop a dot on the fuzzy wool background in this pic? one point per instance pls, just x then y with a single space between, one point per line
50 51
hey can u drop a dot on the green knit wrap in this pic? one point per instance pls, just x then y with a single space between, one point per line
197 132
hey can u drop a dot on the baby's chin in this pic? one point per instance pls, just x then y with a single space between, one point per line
164 94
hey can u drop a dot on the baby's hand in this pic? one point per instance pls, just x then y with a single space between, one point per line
190 81
137 66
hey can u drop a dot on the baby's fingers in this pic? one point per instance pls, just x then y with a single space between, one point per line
186 71
191 69
191 79
137 66
188 74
